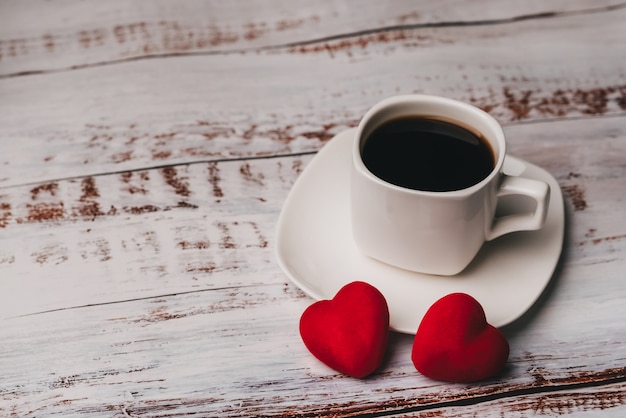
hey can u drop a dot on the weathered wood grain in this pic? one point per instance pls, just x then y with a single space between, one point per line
222 352
138 233
146 149
171 111
587 402
195 220
181 308
84 34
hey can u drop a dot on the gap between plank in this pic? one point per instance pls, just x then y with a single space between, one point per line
161 166
115 302
614 376
266 157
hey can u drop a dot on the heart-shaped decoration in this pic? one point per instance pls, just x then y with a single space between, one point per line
455 343
349 332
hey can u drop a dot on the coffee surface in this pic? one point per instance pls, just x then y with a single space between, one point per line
427 154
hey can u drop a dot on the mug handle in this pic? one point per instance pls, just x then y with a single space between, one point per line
534 189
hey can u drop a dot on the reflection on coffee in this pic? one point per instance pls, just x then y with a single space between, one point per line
427 154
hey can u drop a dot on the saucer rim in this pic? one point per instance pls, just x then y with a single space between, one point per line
556 198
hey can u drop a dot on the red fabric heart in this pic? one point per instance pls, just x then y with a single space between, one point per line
348 333
455 343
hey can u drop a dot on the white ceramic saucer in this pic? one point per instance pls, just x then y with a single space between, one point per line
314 247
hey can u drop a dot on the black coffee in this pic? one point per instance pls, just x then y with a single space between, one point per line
427 154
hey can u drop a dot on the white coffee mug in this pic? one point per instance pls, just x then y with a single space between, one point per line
435 232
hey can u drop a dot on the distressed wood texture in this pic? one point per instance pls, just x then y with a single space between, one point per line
146 150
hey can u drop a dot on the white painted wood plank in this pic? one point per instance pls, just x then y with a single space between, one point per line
149 113
224 352
173 229
174 335
37 35
137 234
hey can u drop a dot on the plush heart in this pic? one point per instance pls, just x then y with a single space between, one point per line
455 343
348 333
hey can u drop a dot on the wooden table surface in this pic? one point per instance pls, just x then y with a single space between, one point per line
146 151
